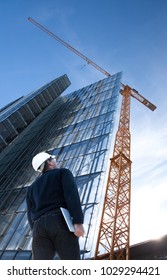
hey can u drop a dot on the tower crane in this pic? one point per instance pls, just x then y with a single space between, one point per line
89 61
114 231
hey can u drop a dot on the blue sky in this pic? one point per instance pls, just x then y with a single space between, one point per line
119 35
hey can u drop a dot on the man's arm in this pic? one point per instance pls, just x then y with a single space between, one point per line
73 201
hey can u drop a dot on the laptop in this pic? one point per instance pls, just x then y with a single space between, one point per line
67 218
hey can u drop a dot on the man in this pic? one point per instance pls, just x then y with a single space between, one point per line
55 188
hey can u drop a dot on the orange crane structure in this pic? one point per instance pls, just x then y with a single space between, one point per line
114 231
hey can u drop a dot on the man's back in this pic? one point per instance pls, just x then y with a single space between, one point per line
54 189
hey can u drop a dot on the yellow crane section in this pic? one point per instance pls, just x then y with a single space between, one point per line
89 61
114 232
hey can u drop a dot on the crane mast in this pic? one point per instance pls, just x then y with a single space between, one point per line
113 236
113 240
114 231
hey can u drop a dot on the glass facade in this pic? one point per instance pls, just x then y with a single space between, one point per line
77 128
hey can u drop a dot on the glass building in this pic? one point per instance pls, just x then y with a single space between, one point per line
77 128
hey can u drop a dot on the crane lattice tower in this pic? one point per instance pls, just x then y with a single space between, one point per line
115 222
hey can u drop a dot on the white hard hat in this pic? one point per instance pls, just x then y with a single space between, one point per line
38 161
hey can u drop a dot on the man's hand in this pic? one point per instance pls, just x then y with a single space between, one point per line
79 230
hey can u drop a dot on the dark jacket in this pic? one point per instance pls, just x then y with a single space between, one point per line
54 189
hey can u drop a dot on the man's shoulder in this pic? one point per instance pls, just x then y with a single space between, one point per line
65 170
56 171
